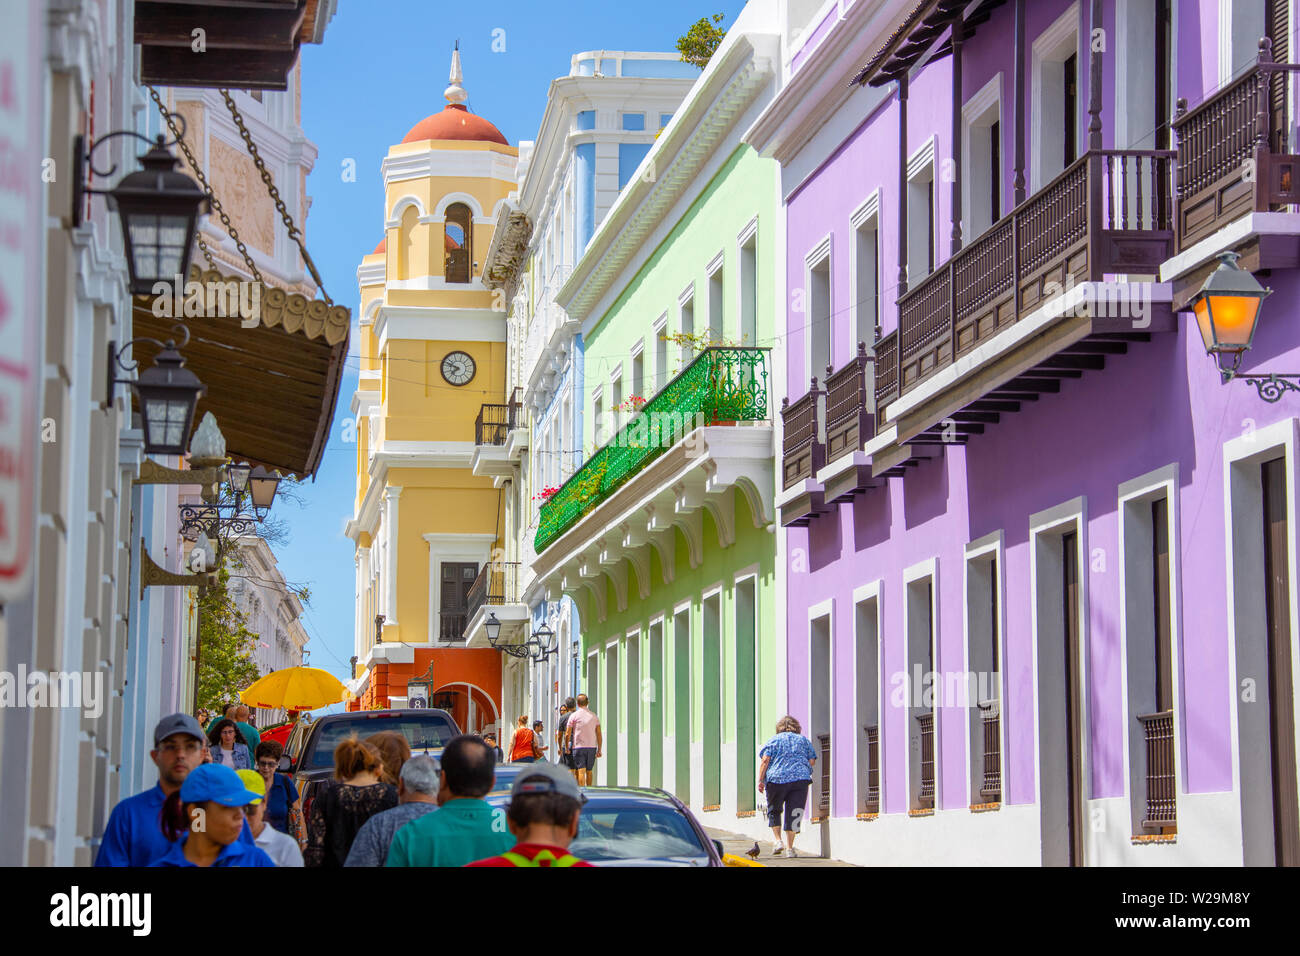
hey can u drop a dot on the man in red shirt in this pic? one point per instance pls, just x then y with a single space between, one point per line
545 804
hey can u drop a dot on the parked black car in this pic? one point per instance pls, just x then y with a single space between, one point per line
632 826
427 731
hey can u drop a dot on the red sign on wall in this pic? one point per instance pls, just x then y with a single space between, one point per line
22 183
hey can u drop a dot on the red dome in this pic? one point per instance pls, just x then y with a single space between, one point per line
455 122
383 245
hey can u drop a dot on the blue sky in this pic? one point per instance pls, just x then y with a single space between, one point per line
382 68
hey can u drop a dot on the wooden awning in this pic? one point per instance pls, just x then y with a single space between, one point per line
915 35
272 386
248 44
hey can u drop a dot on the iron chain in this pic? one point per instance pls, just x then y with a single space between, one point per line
274 193
207 188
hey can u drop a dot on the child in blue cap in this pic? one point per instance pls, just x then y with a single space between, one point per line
205 818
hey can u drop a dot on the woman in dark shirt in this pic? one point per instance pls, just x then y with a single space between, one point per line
356 793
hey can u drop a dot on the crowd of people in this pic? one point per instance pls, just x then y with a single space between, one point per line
219 800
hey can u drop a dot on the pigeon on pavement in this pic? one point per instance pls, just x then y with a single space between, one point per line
753 854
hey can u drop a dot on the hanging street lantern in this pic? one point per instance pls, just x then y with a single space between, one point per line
167 394
493 628
158 207
262 485
237 475
1227 310
543 644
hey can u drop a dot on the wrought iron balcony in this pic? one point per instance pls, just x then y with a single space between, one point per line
497 584
722 385
1161 804
1108 213
494 423
1232 151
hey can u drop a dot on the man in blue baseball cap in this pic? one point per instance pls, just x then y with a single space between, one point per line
205 818
134 835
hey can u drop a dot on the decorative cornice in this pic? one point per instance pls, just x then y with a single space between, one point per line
821 85
720 97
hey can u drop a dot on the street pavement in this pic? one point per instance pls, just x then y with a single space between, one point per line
738 844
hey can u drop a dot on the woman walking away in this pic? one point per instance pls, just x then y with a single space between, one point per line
228 747
785 773
205 817
393 750
521 744
355 795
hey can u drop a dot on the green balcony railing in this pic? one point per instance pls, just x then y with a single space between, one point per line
723 384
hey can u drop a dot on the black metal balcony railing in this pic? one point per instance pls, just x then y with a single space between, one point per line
1161 808
1108 212
1233 151
925 798
451 626
494 423
803 451
497 583
991 785
873 770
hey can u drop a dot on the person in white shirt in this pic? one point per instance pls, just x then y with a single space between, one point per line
280 847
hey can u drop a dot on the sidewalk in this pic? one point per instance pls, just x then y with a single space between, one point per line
737 844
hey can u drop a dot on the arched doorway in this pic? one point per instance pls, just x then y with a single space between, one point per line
470 706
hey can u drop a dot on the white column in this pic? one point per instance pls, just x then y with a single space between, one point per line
391 494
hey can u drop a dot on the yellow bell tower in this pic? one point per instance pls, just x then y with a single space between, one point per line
433 351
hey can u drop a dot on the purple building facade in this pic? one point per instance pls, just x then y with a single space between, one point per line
1041 561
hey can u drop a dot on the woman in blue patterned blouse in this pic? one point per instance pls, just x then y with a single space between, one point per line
785 774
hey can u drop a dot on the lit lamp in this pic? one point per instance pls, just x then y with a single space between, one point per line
167 394
1227 313
158 206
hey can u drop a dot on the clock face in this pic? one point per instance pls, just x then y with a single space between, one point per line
458 368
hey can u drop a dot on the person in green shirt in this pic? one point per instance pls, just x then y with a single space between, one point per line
466 827
239 714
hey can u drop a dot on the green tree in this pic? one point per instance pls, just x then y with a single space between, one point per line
226 647
700 42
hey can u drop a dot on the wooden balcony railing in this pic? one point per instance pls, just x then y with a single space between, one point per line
803 448
849 419
824 798
1233 151
926 796
873 770
451 627
1161 809
991 785
1108 212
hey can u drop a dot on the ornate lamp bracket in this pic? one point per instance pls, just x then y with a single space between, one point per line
153 575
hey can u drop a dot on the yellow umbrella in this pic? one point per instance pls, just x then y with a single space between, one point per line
296 688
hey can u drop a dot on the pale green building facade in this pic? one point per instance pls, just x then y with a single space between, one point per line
665 537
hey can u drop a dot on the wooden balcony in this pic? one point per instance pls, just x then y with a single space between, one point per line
803 452
1233 154
249 44
850 423
1109 213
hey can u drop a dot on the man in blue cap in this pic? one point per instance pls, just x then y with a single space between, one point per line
206 819
134 835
